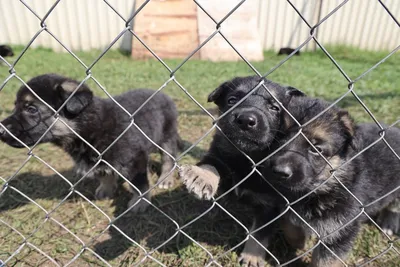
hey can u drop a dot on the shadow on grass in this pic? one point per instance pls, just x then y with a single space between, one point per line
152 229
156 228
215 230
37 186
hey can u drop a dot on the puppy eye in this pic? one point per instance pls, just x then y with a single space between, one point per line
31 109
274 108
232 100
314 152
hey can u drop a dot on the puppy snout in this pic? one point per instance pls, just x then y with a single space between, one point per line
2 131
246 120
282 171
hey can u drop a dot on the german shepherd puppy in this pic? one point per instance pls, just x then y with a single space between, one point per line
251 127
326 163
100 122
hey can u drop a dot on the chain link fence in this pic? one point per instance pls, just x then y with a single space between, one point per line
147 255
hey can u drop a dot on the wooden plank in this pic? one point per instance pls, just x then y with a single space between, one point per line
168 27
241 29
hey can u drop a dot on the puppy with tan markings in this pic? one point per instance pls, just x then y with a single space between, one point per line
99 122
327 164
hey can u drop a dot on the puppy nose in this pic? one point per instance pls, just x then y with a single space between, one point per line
246 121
283 171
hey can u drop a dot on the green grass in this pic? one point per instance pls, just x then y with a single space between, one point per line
313 73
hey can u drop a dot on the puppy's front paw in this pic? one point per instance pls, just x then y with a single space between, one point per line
389 221
202 180
166 182
248 260
138 205
104 191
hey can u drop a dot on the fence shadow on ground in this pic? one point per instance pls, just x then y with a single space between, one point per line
216 228
150 228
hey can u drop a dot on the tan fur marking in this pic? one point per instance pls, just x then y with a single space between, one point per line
69 86
60 129
294 235
348 123
335 162
394 206
42 107
288 122
319 132
28 98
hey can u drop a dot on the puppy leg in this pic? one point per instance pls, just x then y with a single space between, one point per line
167 181
294 235
253 255
389 218
107 187
201 180
340 244
141 182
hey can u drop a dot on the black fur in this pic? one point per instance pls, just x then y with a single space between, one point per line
288 51
6 51
99 122
298 169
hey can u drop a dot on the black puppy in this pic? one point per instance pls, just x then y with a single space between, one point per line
99 122
6 51
287 51
251 127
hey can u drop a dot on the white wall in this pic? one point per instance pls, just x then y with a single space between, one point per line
79 24
88 24
360 23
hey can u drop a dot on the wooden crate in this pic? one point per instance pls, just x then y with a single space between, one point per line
240 28
175 28
168 27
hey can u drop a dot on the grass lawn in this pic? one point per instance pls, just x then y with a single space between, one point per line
218 232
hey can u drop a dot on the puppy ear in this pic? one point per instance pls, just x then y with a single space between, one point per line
79 101
349 127
291 91
217 93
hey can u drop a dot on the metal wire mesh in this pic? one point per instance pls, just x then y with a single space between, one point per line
217 202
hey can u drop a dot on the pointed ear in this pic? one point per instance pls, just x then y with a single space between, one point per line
291 91
79 101
349 127
215 95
